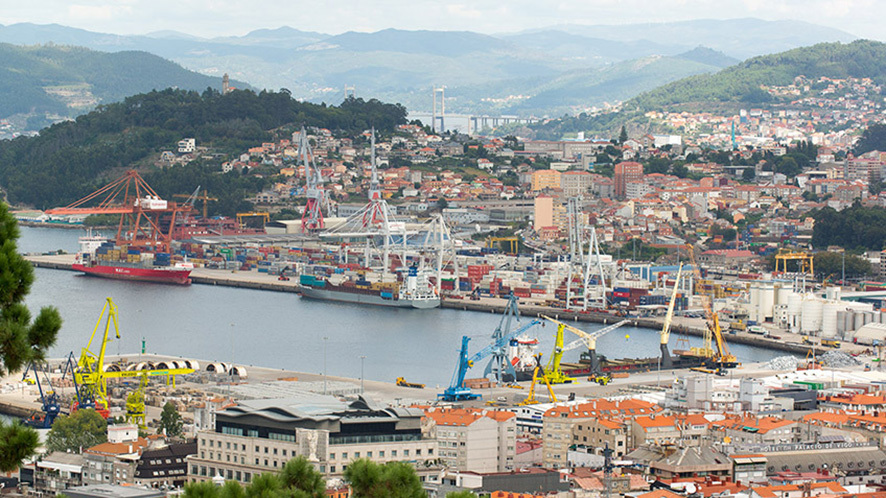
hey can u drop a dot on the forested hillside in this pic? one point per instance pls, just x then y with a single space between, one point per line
738 85
741 83
70 159
68 80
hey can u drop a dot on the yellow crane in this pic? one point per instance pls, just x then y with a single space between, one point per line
665 334
531 399
713 335
190 199
90 377
589 339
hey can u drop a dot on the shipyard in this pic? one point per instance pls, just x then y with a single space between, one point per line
448 251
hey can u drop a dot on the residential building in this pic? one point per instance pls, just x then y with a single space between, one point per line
626 172
575 183
56 472
560 424
596 434
545 178
475 440
543 214
187 146
165 467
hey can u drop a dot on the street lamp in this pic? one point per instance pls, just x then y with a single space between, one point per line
362 357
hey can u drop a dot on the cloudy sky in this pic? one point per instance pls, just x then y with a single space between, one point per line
210 18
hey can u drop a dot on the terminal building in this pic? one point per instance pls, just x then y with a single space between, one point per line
261 435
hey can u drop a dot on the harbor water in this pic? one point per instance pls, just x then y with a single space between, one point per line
281 330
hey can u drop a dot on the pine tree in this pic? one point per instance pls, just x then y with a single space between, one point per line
21 339
170 420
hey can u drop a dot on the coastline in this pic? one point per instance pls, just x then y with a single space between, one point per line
787 342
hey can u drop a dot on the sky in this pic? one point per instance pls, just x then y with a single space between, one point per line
210 18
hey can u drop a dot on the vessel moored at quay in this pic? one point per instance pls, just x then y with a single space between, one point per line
415 291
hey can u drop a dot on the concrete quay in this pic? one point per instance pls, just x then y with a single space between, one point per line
780 339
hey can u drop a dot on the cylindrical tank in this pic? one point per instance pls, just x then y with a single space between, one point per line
810 322
832 293
795 303
829 327
767 302
783 294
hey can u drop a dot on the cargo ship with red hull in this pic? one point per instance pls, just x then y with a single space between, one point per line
159 275
100 258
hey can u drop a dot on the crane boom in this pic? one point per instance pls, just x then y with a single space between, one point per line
456 390
665 334
554 373
721 357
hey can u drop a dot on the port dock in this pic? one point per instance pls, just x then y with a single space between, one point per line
785 341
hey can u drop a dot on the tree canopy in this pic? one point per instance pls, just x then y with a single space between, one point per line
391 480
873 138
80 430
170 420
71 159
297 479
856 227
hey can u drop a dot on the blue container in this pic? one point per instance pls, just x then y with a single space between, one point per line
387 295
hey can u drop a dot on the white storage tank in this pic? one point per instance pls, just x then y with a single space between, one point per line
812 309
830 310
795 308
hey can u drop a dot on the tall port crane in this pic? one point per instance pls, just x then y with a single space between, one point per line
146 220
719 358
51 404
665 334
191 200
312 218
90 372
457 390
531 399
589 339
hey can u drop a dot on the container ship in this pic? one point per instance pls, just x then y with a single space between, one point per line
101 258
359 287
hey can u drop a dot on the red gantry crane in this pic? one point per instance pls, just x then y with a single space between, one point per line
146 220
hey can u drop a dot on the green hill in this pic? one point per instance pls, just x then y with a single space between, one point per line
733 87
741 83
66 81
70 159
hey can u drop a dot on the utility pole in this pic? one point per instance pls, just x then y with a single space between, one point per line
607 471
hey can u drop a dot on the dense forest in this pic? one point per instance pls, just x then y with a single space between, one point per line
854 228
70 159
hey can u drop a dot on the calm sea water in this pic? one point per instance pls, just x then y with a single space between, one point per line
281 330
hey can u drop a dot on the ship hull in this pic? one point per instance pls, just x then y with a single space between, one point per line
163 276
364 298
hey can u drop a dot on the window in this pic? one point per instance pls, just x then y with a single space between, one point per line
266 450
275 451
237 475
275 463
243 447
246 476
229 457
405 452
284 452
381 454
266 462
256 449
211 443
332 469
418 452
368 454
227 447
194 469
256 461
394 453
202 442
332 456
430 451
356 454
242 459
252 433
202 454
344 455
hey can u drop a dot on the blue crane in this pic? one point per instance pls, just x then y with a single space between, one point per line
50 399
457 390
